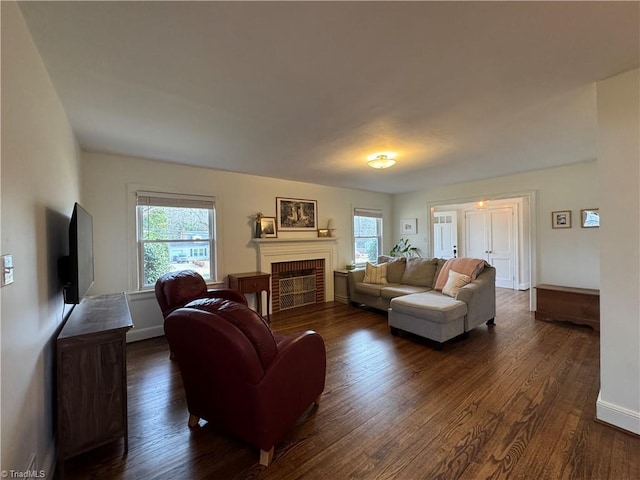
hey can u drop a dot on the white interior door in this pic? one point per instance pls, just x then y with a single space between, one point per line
490 236
445 234
501 252
476 245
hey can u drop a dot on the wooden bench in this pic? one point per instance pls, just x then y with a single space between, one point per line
576 305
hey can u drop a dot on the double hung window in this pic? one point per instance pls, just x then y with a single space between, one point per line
174 232
367 233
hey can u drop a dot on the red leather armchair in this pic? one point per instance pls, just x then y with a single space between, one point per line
177 289
241 377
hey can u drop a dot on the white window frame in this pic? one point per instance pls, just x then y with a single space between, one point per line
372 213
146 198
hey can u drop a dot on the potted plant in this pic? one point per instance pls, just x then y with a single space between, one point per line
404 249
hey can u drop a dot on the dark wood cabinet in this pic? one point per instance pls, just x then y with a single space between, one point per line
577 305
92 376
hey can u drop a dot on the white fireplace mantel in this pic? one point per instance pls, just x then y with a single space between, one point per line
276 250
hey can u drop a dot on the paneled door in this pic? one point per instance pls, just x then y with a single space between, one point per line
490 235
445 234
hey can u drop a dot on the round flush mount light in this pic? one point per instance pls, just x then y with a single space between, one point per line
381 160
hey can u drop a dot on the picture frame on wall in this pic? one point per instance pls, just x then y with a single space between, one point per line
408 226
296 214
561 219
268 227
590 218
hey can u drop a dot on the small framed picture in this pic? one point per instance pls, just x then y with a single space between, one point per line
323 232
408 226
561 219
268 227
590 218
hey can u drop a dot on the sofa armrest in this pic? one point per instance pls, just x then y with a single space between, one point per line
480 297
355 276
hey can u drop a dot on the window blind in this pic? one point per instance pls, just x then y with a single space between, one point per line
174 200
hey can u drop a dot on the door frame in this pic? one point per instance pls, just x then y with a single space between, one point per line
529 216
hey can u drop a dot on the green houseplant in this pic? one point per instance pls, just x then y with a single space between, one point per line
404 249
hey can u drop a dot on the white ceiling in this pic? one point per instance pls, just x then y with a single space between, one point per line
307 90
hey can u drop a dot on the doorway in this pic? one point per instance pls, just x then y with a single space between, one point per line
498 230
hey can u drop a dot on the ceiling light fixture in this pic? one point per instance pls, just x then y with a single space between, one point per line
381 160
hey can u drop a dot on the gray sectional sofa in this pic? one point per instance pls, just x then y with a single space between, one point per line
414 305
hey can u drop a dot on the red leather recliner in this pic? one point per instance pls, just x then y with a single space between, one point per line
176 289
241 377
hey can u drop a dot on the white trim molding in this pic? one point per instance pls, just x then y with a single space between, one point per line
617 416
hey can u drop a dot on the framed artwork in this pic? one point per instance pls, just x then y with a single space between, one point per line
268 227
408 226
561 219
296 214
590 218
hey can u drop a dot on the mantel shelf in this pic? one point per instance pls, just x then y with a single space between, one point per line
265 241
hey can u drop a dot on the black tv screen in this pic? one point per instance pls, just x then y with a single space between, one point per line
77 267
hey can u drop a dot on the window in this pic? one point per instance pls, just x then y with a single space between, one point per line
174 232
367 235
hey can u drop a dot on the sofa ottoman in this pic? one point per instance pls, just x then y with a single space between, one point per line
431 315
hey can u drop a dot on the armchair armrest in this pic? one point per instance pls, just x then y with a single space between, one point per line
301 363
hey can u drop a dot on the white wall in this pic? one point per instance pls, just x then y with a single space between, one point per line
40 183
108 185
619 169
564 256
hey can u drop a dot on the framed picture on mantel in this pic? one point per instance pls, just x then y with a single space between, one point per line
296 214
268 227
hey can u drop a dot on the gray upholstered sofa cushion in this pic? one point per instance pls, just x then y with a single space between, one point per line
420 272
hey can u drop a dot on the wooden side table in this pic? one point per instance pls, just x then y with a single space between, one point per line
253 282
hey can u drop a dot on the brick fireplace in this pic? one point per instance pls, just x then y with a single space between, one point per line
298 283
306 265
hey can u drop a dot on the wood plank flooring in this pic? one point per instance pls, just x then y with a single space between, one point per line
515 401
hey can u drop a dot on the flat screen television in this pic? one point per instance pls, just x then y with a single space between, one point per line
76 269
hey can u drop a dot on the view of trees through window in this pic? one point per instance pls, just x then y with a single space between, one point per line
173 239
367 237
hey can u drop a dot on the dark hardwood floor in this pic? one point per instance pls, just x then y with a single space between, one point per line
515 401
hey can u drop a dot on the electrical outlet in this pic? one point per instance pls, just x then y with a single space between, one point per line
7 269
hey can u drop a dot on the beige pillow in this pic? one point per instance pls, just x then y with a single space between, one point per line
395 269
419 272
375 273
456 282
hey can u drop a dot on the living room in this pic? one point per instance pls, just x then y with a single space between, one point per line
45 170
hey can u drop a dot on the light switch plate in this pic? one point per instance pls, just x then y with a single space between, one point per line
7 269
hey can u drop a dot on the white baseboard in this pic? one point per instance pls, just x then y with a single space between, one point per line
618 416
135 335
524 286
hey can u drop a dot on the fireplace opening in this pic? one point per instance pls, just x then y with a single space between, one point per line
297 283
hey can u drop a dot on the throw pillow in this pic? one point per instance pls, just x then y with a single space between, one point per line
375 273
419 272
395 269
456 282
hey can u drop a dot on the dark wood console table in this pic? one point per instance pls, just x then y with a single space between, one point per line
92 376
576 305
252 282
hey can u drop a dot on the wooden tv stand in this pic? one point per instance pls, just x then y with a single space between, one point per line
92 376
576 305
